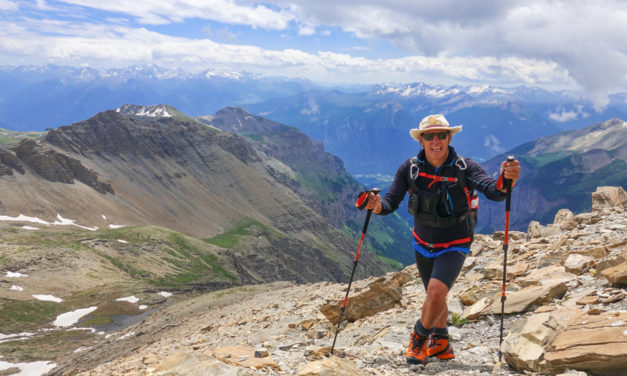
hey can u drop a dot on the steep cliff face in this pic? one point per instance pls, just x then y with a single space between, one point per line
56 167
9 163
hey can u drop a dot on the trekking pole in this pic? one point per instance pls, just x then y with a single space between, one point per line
361 202
508 201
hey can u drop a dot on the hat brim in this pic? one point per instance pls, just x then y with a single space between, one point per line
415 133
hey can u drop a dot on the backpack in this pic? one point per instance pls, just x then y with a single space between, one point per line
443 208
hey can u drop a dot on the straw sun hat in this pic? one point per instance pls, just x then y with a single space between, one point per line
435 122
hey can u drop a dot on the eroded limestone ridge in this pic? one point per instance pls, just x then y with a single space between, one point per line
566 310
49 164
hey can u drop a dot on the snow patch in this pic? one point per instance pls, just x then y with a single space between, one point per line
23 218
15 275
122 241
70 222
130 299
16 288
6 337
115 226
60 221
48 298
30 228
165 294
29 369
70 318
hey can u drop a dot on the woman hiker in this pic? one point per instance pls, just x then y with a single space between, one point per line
441 185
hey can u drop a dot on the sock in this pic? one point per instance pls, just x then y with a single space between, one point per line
440 332
421 330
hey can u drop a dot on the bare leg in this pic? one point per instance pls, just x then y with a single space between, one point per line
435 309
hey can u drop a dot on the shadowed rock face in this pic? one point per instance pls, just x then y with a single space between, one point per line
53 166
8 163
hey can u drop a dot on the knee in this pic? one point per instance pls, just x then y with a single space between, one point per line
437 290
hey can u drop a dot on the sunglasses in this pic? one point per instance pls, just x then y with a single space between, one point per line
429 136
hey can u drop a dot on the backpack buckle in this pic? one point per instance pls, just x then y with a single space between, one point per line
461 164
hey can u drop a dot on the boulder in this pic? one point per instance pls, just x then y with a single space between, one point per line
595 252
529 338
617 275
243 356
612 261
576 263
591 343
565 219
517 301
609 198
588 218
546 275
380 295
332 366
536 230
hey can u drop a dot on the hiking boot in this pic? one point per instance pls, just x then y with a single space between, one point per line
417 350
440 348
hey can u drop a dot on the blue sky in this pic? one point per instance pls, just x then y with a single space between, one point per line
559 44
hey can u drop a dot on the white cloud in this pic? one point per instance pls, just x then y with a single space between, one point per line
562 115
62 43
154 12
8 5
533 42
586 39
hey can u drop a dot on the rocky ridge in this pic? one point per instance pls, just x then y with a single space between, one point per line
566 314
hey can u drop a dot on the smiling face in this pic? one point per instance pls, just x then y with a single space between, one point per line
436 149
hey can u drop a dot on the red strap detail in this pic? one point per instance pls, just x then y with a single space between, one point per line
436 178
468 197
441 245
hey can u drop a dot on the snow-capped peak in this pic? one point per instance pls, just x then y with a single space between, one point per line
419 89
159 110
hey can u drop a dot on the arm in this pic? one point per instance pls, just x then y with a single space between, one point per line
478 179
493 189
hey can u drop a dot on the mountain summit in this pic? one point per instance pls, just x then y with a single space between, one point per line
160 110
149 166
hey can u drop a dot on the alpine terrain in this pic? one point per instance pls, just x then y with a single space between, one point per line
565 314
144 200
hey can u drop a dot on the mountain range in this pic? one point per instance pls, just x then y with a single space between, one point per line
365 126
262 211
369 130
560 171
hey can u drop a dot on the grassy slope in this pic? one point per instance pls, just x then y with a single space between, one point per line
102 267
12 137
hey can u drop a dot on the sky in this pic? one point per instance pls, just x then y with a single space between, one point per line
560 44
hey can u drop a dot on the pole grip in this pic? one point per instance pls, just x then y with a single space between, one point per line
508 186
365 228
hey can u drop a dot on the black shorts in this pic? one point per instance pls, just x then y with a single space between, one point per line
445 268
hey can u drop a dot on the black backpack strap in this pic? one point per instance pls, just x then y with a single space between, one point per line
460 170
414 169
